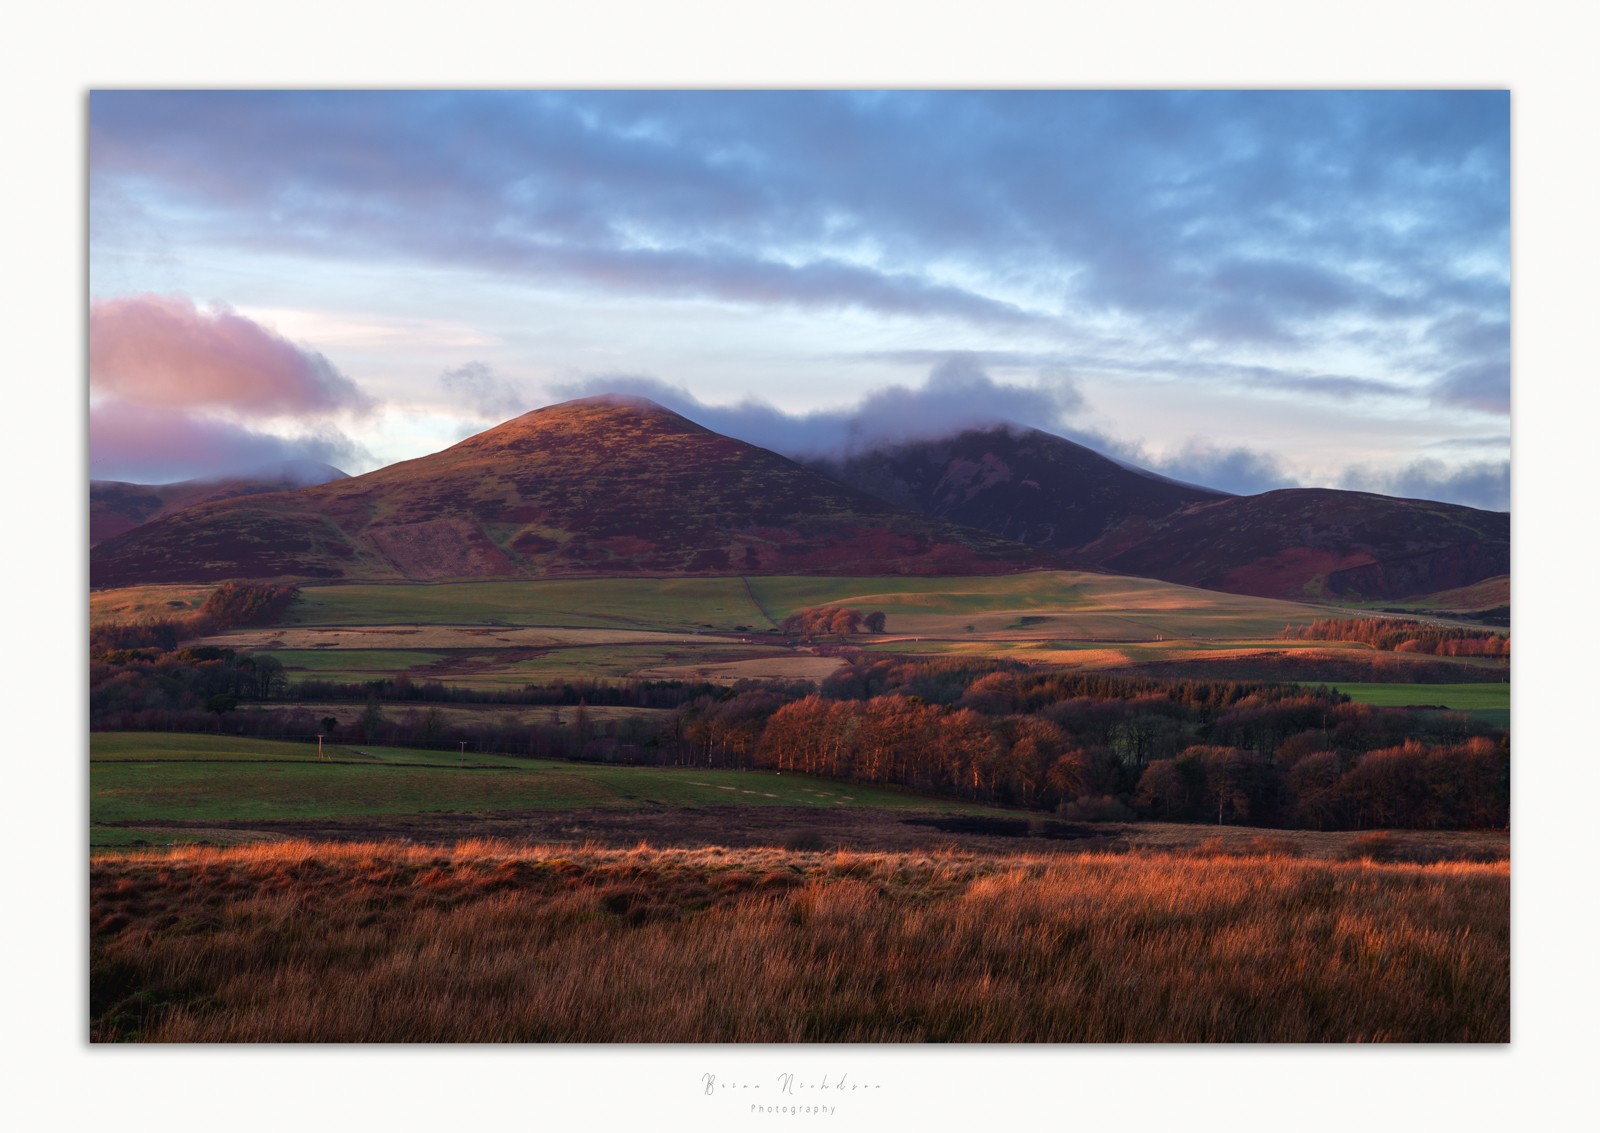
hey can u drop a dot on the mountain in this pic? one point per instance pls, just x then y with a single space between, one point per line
1298 543
1018 483
598 486
1313 543
116 506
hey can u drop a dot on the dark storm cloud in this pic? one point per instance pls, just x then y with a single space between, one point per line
1209 219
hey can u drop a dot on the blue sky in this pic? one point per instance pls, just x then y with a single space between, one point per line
1245 289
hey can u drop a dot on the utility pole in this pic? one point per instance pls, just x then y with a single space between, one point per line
463 751
319 745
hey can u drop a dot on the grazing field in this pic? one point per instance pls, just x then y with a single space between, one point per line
1460 697
152 781
672 604
516 667
1040 605
1069 600
1489 702
325 662
495 943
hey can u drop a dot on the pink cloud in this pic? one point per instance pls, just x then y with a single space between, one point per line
153 445
163 351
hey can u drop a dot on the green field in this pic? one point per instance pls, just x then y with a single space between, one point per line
147 781
496 669
1058 603
603 603
1490 703
1460 697
321 661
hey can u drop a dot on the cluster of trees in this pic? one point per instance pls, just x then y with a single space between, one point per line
235 604
1403 636
230 606
1412 784
1081 744
198 679
831 621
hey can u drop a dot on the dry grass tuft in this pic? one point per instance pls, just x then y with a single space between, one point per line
490 941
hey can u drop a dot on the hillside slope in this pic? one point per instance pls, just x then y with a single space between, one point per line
598 486
1313 543
1296 543
1018 483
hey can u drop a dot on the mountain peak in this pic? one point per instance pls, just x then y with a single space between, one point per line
609 485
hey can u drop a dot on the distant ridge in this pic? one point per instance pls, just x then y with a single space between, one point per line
116 506
1310 543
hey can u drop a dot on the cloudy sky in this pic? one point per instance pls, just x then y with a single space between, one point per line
1248 290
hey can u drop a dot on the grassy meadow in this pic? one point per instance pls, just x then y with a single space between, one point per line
490 942
668 604
1488 702
149 781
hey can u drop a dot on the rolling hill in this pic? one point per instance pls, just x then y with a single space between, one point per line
600 486
1296 543
1313 543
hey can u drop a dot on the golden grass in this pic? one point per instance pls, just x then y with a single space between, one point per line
493 942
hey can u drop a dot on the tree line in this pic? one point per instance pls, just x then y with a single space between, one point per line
1403 636
831 621
232 605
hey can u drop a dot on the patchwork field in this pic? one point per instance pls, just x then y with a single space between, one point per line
505 634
